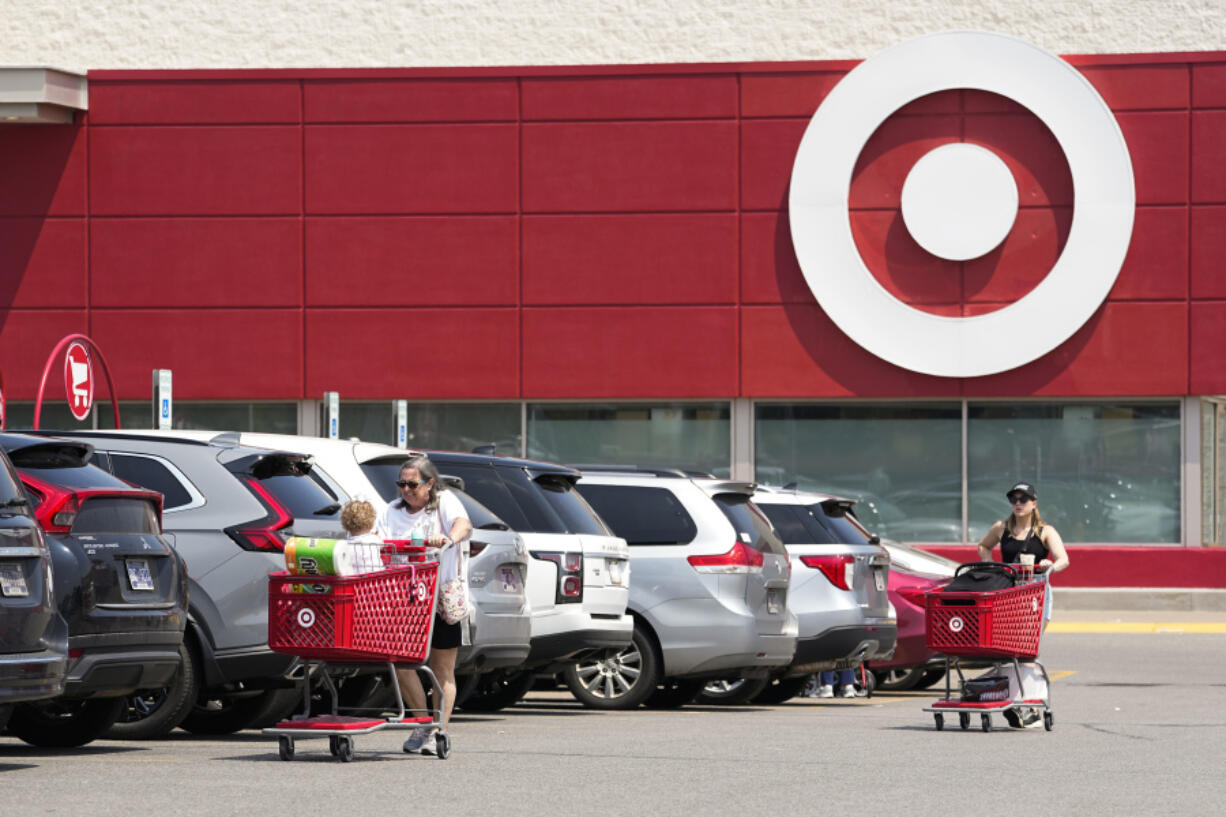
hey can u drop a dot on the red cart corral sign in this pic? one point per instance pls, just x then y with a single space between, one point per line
79 380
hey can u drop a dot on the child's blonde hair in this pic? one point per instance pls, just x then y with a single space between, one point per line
358 516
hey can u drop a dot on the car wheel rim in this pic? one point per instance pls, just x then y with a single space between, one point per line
720 688
613 676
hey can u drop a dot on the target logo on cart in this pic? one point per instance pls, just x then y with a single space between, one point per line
955 625
306 618
959 202
419 592
1034 605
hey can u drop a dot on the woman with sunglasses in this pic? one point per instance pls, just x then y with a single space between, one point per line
425 506
1024 531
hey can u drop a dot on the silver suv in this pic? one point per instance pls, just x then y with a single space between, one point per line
710 590
839 588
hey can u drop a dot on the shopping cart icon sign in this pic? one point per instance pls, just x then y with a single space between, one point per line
79 380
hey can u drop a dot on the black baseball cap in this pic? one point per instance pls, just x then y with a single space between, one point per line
1022 488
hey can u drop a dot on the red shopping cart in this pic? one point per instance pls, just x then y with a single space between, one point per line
335 622
1003 623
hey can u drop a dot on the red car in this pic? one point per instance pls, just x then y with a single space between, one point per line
912 573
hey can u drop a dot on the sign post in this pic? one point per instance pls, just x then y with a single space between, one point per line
401 412
162 405
332 414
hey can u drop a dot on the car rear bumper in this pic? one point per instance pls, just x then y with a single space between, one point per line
709 636
498 640
32 676
120 663
843 647
601 634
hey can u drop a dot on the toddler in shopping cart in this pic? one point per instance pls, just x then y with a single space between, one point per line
363 546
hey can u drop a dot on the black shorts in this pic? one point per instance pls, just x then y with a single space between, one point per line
446 636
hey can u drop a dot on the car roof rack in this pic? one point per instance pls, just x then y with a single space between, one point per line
645 470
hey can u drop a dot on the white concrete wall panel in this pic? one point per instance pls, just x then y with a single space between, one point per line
120 34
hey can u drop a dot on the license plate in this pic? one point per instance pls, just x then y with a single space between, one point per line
879 580
12 580
138 574
616 575
510 579
773 603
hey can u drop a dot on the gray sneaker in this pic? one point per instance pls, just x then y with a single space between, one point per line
1031 718
417 739
430 747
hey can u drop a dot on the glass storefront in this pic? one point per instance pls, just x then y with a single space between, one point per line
443 426
903 463
685 435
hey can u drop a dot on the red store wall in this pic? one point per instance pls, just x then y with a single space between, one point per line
616 232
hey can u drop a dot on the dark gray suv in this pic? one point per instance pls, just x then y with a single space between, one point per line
228 509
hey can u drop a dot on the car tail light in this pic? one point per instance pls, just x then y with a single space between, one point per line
840 570
741 559
570 574
263 533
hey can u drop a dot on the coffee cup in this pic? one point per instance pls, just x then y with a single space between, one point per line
1026 563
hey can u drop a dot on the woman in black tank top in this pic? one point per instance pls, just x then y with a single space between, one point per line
1024 531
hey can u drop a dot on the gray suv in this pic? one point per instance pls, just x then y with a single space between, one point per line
710 589
228 509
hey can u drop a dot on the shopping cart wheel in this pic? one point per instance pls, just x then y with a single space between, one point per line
285 747
985 721
939 719
1049 720
334 745
964 720
344 748
442 745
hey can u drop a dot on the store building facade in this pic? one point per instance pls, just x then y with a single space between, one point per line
594 264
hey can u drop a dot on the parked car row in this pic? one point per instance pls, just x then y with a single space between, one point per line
159 613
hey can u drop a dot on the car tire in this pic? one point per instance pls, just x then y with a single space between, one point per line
930 677
6 711
62 723
673 693
231 713
732 691
154 713
498 690
898 679
779 690
619 680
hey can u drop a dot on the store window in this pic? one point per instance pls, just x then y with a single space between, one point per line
901 462
1104 472
272 418
680 435
441 426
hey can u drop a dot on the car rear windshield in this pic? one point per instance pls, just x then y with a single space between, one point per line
834 518
147 472
10 487
752 527
303 496
546 505
116 515
383 474
480 516
641 516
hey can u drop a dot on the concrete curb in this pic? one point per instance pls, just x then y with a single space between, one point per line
1159 599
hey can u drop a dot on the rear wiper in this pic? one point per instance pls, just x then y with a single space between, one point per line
327 510
15 502
494 526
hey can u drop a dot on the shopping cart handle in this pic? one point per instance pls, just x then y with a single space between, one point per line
999 566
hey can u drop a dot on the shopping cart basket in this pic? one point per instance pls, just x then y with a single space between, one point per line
382 617
992 624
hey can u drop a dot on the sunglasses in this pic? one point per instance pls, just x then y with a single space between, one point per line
404 483
1019 499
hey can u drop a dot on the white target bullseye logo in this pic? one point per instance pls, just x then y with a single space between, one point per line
960 201
420 591
955 625
306 618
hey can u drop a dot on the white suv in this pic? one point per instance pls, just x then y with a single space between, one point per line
710 590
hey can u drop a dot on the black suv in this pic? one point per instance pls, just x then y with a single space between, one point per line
119 585
33 634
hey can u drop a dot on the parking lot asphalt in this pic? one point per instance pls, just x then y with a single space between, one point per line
1140 729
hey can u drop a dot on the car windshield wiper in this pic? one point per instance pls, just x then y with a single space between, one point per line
327 510
15 502
494 526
